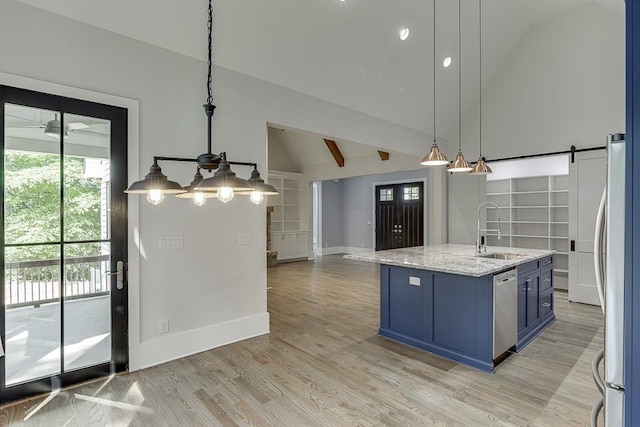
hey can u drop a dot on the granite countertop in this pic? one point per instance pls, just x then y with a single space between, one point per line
452 258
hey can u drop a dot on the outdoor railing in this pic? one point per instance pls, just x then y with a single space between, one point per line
38 282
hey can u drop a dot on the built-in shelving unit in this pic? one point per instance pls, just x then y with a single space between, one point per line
287 234
534 214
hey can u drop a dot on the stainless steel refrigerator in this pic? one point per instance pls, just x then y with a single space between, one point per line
609 266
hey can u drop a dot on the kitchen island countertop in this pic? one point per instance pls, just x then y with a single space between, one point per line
452 258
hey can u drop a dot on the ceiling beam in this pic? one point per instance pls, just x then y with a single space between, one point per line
384 156
335 152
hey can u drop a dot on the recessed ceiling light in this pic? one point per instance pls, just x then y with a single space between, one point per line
404 33
446 62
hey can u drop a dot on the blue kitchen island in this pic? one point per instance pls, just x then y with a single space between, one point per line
441 298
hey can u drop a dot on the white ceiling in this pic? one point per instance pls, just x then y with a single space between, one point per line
346 52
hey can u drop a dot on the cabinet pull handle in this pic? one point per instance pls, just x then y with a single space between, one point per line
546 305
546 280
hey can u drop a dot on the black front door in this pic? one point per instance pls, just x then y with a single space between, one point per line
63 241
399 215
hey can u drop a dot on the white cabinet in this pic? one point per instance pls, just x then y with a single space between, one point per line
535 214
290 245
289 235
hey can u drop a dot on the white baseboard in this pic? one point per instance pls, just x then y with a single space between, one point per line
355 250
176 346
342 250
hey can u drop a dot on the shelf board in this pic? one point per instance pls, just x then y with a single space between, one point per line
559 222
498 194
559 206
560 237
529 236
560 270
531 192
558 191
530 207
529 222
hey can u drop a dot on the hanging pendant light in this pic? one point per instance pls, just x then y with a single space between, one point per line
155 185
259 188
480 168
225 182
434 157
459 164
199 197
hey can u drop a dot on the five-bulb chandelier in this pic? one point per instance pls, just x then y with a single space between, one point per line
223 184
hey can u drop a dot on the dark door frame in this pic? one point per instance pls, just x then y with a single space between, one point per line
119 243
425 196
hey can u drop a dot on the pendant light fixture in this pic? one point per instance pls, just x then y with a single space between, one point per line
480 168
198 197
434 157
224 183
459 164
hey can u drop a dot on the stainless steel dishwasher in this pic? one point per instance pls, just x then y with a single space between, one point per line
505 311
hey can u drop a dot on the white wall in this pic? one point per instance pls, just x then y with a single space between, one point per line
563 85
214 290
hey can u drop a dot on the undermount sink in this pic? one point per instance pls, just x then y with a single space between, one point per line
500 256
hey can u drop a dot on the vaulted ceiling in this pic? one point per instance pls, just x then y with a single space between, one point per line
346 52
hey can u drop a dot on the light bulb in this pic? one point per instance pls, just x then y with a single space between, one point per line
256 197
155 197
199 198
225 194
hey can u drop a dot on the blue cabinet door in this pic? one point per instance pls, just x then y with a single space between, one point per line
410 302
463 314
533 301
522 306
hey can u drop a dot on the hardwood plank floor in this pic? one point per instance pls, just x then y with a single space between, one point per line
324 365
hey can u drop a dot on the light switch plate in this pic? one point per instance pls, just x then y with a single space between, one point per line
171 242
243 238
164 326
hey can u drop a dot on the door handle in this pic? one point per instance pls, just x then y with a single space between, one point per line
119 273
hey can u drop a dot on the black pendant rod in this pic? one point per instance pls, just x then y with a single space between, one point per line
571 151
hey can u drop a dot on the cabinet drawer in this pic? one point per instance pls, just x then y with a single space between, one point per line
546 262
546 305
546 279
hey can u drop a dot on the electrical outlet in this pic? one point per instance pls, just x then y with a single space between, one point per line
164 326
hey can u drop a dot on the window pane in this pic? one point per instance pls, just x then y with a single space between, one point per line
86 178
87 305
31 176
32 304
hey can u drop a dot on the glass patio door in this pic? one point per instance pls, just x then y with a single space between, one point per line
64 240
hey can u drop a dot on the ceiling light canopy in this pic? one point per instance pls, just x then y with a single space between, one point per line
224 183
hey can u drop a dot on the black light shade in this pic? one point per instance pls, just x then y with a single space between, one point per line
155 180
224 177
191 188
258 184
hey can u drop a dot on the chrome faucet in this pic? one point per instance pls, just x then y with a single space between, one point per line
482 246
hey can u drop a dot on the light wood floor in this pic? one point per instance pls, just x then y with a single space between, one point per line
323 364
